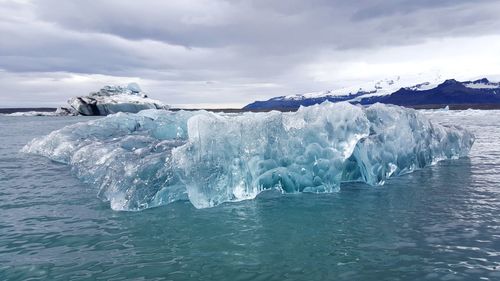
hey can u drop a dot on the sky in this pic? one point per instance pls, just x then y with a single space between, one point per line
218 53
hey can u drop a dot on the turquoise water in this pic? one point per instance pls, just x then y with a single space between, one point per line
439 223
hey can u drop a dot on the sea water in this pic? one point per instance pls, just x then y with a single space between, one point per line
438 223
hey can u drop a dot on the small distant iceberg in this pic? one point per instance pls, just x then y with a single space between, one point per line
32 113
110 100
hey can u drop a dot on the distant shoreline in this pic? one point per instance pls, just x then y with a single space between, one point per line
239 110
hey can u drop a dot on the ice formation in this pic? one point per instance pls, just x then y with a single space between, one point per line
156 157
30 113
111 99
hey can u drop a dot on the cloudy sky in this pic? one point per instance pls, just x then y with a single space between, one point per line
217 53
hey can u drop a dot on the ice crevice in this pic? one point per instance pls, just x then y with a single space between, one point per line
156 157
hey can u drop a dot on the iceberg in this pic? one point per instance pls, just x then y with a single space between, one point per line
110 100
156 157
30 113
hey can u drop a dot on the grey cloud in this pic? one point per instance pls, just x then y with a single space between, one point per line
239 45
271 25
42 46
378 8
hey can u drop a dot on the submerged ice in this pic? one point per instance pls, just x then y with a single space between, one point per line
156 157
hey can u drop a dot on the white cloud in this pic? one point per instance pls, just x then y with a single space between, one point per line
460 57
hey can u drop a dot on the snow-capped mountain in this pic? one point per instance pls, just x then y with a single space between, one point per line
435 91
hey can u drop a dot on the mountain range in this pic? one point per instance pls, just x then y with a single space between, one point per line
481 93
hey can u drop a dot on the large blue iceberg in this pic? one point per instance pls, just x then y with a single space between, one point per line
155 157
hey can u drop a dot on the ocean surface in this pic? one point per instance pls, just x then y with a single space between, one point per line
438 223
